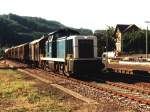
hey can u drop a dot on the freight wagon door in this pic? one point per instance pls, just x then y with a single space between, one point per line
85 48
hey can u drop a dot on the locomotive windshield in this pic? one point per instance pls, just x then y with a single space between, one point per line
86 49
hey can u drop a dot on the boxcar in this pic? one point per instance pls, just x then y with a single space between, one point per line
23 52
37 50
13 53
8 53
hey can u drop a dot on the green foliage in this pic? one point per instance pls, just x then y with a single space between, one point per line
135 42
16 29
111 41
33 97
105 37
1 53
28 95
85 31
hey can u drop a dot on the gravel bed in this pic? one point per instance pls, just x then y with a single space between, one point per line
102 96
138 94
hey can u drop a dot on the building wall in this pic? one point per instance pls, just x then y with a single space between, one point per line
118 41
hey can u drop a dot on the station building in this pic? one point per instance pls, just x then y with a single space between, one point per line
118 35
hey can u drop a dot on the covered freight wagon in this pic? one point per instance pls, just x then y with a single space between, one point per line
23 52
37 50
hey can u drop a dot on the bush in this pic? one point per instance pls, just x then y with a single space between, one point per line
2 53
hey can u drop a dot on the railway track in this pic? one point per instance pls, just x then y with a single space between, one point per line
114 89
121 92
128 94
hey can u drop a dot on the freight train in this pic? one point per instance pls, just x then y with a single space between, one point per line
64 51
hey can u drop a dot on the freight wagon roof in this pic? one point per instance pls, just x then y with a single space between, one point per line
12 47
6 50
21 45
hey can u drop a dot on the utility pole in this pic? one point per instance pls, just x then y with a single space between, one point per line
147 39
147 42
107 48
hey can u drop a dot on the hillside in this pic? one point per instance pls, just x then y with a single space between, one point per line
16 29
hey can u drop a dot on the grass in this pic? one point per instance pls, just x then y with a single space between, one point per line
20 94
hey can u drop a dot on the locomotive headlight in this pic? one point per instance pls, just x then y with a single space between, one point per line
69 56
85 37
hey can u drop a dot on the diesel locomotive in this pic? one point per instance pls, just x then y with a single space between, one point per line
64 51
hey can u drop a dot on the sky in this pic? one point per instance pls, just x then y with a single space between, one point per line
91 14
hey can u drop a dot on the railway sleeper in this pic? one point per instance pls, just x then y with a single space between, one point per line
141 72
120 70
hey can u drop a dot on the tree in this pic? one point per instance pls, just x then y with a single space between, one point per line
134 42
109 36
104 36
2 52
15 30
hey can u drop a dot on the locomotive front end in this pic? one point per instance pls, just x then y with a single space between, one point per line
83 56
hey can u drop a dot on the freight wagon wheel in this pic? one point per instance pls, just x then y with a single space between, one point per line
46 67
56 70
67 74
42 66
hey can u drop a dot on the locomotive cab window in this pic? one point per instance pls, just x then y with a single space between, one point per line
60 48
46 48
69 47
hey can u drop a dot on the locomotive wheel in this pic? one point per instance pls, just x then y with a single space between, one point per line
66 72
61 68
56 68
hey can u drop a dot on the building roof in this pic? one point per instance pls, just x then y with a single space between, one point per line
126 28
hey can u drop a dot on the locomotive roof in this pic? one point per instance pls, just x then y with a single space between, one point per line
77 36
62 33
37 40
64 30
